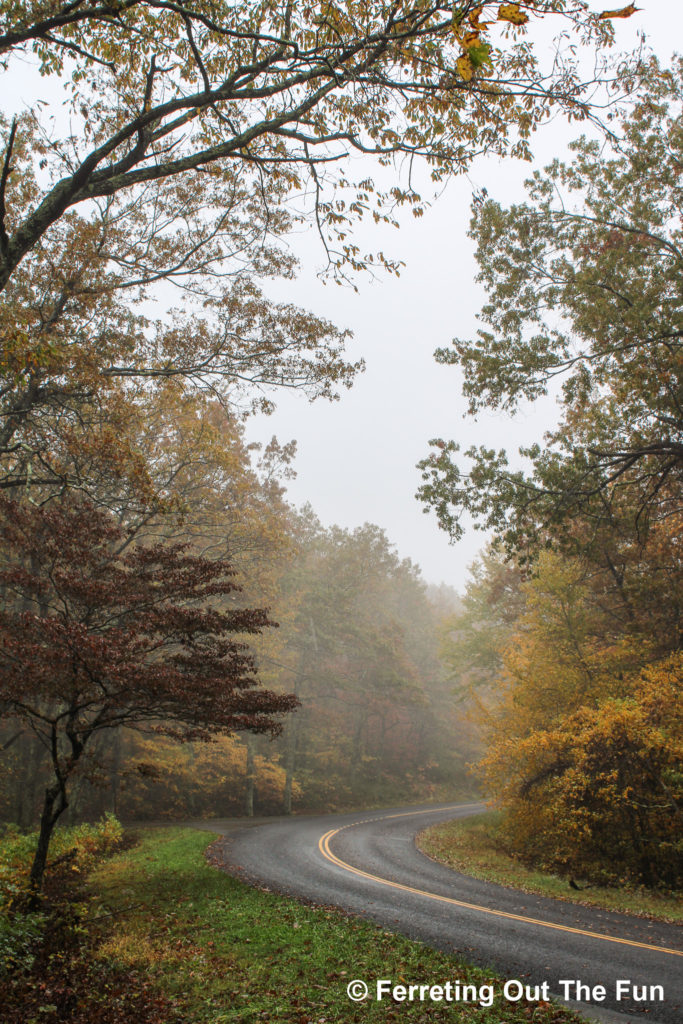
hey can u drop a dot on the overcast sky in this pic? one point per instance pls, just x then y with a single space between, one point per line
356 458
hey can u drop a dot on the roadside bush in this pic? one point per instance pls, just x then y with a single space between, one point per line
81 845
76 849
597 796
20 933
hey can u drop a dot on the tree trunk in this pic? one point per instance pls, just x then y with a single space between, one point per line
250 774
290 755
55 804
291 734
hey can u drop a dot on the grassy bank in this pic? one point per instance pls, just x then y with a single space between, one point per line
471 846
225 952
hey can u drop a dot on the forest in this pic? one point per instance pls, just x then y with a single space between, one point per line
180 639
571 627
351 641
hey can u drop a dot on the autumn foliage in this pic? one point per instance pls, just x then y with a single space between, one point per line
577 664
597 794
97 635
199 138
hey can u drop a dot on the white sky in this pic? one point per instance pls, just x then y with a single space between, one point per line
357 457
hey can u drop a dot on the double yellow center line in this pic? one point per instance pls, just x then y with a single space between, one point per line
324 847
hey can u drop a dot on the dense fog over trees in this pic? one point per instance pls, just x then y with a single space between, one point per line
357 643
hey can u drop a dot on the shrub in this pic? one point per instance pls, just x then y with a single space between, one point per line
75 849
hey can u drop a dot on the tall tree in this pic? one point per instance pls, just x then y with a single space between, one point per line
584 286
94 639
473 637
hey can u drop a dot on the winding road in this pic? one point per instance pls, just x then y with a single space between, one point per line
368 864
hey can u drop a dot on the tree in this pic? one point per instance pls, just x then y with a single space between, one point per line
584 284
229 495
95 639
210 490
474 636
583 738
269 95
597 794
359 647
81 356
198 139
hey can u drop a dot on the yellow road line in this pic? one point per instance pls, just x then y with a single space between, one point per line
324 847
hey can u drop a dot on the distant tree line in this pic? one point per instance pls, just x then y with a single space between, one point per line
356 649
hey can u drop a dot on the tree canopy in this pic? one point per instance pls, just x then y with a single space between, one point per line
584 285
94 638
198 137
266 96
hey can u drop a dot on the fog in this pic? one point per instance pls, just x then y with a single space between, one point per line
356 458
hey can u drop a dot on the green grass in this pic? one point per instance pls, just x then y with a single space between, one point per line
470 845
231 953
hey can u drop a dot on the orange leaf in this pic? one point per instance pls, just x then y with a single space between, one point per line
512 13
473 18
624 12
465 67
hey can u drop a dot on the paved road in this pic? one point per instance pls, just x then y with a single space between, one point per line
368 863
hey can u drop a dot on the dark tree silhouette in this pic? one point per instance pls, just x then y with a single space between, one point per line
97 634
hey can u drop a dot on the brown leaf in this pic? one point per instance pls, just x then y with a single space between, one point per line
623 12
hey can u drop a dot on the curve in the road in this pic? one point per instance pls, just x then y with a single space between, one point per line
368 864
324 847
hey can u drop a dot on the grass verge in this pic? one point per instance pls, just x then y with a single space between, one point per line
470 845
225 952
50 971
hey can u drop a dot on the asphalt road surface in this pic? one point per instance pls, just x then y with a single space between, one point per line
368 863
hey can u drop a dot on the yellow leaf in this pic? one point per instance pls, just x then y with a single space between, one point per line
465 68
623 12
512 13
